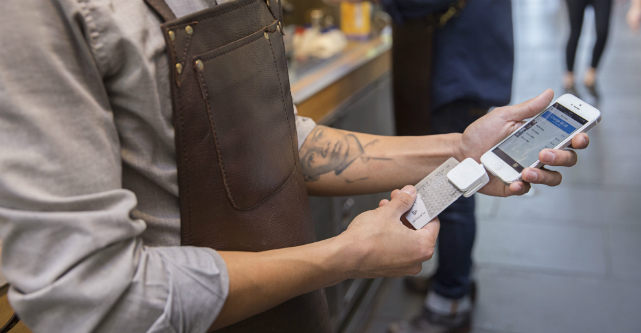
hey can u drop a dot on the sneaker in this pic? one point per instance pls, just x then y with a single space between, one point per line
430 322
592 90
572 90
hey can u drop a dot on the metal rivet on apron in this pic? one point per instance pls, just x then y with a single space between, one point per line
266 35
179 68
199 64
267 3
280 28
189 30
172 35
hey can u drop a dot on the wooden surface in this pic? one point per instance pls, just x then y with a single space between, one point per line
6 312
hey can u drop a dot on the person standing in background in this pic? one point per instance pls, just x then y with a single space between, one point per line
472 69
576 11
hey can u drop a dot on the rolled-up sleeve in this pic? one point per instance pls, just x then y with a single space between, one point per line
71 250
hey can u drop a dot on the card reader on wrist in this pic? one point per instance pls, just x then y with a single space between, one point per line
443 186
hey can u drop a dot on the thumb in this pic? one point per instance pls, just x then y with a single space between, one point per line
529 108
402 202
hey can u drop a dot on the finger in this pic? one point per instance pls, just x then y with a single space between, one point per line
433 227
557 157
430 233
529 108
394 193
383 203
580 141
518 188
402 202
541 176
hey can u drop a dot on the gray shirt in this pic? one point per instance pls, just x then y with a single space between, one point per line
89 215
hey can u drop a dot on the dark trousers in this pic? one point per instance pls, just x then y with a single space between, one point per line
412 71
576 9
458 224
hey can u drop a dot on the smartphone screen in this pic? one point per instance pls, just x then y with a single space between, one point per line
547 130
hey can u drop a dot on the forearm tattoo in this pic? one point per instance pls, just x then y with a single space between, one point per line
331 150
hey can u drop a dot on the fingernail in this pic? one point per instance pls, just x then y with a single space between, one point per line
585 141
409 189
549 156
519 187
531 176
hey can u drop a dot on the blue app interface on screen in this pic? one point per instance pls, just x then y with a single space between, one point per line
546 131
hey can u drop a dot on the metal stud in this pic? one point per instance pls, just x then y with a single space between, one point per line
199 64
172 35
267 3
179 68
189 30
266 35
280 28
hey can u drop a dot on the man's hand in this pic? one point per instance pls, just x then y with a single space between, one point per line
489 130
375 244
380 245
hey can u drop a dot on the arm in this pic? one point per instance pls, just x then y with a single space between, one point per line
71 250
375 244
337 162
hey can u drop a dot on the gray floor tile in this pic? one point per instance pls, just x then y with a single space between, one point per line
486 206
483 330
625 248
526 303
377 326
565 249
564 259
399 303
581 205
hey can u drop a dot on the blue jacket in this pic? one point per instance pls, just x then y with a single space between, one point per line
473 53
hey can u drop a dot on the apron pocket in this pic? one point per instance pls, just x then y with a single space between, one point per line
251 115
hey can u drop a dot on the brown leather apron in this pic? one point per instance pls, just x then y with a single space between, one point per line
240 180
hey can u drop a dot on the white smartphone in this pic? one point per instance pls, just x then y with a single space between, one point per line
553 128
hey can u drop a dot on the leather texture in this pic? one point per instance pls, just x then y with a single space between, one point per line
240 180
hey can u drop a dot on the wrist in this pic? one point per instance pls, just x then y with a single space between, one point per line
339 258
345 256
456 146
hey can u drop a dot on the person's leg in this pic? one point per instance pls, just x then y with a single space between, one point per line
602 11
458 224
448 304
456 238
576 11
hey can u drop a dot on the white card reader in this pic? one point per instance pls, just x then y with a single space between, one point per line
468 176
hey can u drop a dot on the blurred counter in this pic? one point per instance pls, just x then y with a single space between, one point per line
321 87
352 91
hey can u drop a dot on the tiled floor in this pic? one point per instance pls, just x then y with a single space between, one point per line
564 259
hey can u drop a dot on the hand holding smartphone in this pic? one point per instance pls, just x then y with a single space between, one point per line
553 128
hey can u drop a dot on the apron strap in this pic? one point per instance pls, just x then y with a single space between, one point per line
162 9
